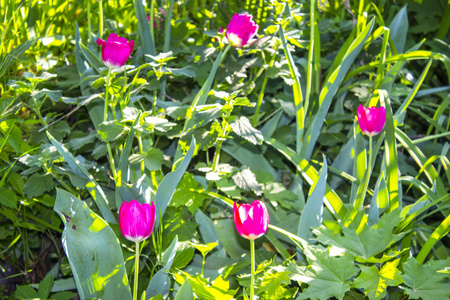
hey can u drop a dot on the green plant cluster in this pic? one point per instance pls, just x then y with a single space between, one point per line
196 125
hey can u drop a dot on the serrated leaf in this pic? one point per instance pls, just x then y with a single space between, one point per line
186 194
45 287
327 276
424 281
159 124
111 130
38 184
375 282
77 143
242 127
187 71
8 198
246 180
272 284
359 239
54 95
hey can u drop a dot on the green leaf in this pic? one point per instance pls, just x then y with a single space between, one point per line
160 283
38 184
54 95
63 296
375 281
242 127
330 88
327 276
185 292
424 281
158 124
273 285
145 33
92 58
99 271
359 239
188 194
170 182
77 143
312 214
92 186
204 249
153 160
187 71
25 292
246 180
8 198
111 130
220 290
399 29
45 287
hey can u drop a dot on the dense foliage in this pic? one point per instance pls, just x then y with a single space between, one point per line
196 125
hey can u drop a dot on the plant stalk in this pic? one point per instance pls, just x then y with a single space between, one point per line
136 272
252 278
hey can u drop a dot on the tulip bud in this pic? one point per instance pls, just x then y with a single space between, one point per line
371 120
115 50
241 29
136 220
251 220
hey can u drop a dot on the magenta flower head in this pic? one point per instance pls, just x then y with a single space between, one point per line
251 220
371 120
241 29
136 220
116 50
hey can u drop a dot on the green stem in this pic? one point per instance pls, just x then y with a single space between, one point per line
203 264
100 20
108 80
136 272
154 102
141 150
252 280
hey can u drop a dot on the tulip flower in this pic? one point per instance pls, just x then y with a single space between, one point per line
115 50
241 29
136 220
371 120
251 222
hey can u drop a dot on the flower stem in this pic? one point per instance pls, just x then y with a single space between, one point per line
108 80
105 118
136 272
252 278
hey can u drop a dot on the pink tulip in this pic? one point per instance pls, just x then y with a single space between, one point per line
371 120
136 220
116 50
251 220
241 29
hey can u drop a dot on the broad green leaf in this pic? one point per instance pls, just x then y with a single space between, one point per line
399 29
161 281
242 127
274 284
390 144
92 58
187 71
375 281
185 292
330 89
170 182
360 239
92 186
99 271
425 281
25 292
327 276
206 227
312 214
297 92
111 130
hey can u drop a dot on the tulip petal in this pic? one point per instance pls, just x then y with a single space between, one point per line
252 220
